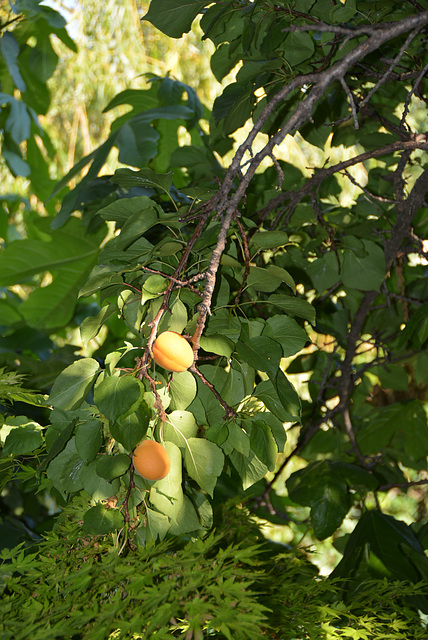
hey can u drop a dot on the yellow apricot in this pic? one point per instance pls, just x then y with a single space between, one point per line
151 460
172 352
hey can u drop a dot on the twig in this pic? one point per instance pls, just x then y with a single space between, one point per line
352 102
229 412
411 92
178 283
402 485
388 72
351 435
247 258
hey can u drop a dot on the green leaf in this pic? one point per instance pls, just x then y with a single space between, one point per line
10 51
234 106
261 353
18 123
110 467
287 395
179 427
344 12
146 177
383 537
176 320
266 392
73 384
204 462
115 396
218 344
263 444
89 439
64 470
269 239
324 271
320 488
294 306
223 323
157 525
131 429
237 439
263 280
287 332
182 390
249 468
298 47
68 254
91 325
275 425
366 272
95 486
24 436
401 429
174 17
166 495
100 520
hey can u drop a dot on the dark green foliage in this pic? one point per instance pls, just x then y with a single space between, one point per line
230 586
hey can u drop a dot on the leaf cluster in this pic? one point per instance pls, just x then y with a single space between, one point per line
72 585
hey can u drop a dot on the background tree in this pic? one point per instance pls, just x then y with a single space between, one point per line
306 308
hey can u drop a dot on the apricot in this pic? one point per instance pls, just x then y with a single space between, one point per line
172 352
151 460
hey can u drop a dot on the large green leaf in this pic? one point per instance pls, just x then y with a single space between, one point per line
204 462
390 541
174 17
320 488
261 353
293 306
89 439
364 271
64 470
132 428
68 254
74 383
24 436
100 519
179 427
166 495
115 396
290 335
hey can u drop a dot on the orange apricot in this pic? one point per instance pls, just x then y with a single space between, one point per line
151 460
172 352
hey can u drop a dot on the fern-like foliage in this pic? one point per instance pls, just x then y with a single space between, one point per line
12 389
217 588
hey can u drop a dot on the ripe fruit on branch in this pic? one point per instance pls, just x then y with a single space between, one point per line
151 460
172 352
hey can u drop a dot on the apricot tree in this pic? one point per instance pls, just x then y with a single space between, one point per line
301 288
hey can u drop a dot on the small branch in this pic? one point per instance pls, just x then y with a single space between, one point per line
388 72
229 412
352 102
402 485
178 283
411 92
131 486
211 272
247 259
351 435
366 191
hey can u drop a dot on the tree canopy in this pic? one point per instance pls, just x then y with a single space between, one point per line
283 232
